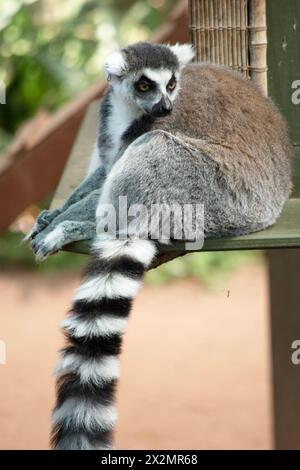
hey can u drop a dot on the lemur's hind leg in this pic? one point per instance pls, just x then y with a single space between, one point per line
93 182
157 169
76 223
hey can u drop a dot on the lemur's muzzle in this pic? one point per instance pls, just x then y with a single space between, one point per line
162 108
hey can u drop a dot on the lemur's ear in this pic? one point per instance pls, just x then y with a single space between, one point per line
115 64
184 53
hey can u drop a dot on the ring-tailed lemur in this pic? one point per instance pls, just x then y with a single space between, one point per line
169 132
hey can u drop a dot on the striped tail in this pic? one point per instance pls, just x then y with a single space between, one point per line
84 416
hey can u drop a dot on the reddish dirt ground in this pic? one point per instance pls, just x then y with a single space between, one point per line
195 366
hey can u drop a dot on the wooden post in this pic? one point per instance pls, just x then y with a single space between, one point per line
284 279
258 44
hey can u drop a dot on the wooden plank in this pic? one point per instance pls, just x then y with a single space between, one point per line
33 176
76 166
176 28
33 173
284 234
284 275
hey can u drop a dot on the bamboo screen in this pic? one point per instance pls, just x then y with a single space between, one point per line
231 32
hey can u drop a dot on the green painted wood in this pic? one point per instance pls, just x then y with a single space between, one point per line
284 234
283 23
284 281
296 173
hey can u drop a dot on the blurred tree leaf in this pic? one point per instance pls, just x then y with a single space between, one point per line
48 56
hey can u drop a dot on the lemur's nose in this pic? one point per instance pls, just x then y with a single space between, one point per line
162 108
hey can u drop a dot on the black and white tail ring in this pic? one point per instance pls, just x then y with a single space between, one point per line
85 415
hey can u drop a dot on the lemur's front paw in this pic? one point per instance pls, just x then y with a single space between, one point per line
45 245
43 220
53 238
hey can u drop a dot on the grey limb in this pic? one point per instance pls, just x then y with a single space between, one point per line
93 182
76 223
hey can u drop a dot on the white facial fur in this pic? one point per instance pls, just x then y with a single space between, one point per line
162 77
123 113
123 89
126 107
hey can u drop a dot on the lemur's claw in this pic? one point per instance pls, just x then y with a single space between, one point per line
42 251
27 237
43 254
31 235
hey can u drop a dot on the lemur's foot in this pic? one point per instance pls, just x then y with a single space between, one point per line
49 242
43 220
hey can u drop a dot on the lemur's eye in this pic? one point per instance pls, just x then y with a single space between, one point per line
171 85
142 86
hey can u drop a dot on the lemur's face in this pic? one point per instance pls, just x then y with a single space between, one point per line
147 76
154 90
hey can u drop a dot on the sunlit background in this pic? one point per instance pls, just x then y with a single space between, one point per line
187 366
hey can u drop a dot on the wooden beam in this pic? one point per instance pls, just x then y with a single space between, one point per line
76 167
284 279
31 178
32 174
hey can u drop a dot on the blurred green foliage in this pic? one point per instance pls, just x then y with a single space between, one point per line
51 50
213 268
17 255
